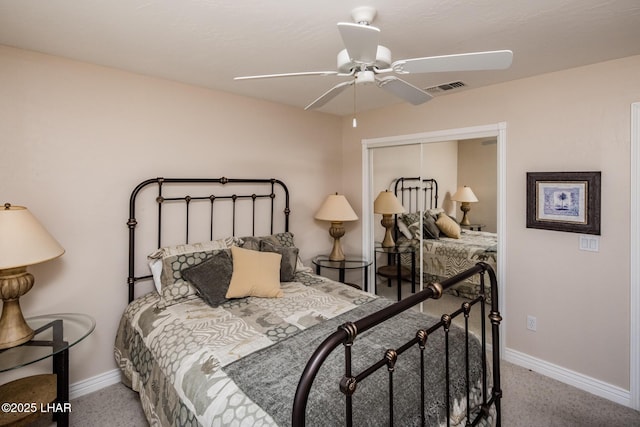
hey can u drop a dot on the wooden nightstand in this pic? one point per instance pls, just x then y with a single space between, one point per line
28 398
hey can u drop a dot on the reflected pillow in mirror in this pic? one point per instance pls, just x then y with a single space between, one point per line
448 226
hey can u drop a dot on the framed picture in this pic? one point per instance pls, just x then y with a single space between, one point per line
564 201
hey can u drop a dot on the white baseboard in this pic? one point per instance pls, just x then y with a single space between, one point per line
567 376
94 383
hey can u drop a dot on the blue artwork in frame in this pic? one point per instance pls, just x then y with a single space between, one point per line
564 201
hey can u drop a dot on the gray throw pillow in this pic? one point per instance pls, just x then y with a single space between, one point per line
211 277
289 259
430 229
251 242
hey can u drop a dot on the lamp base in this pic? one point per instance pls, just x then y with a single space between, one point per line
465 207
336 231
13 328
387 222
14 283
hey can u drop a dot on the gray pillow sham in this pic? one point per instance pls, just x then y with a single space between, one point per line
211 278
289 259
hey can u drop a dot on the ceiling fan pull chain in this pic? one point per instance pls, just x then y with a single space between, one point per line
355 122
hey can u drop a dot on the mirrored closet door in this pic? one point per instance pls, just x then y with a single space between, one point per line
421 252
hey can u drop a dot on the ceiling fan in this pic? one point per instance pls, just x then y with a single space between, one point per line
365 61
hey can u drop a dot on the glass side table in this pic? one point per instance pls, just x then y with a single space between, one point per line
28 398
323 261
394 268
472 227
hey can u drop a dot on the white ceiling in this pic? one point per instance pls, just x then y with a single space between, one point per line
208 42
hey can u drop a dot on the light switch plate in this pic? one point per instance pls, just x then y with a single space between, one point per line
590 243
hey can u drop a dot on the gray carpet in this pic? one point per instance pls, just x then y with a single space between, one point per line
533 400
530 400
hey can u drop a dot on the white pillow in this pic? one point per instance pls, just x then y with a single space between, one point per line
404 229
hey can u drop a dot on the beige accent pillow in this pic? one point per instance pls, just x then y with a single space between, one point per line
255 274
449 227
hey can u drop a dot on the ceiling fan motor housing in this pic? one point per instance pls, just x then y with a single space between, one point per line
346 66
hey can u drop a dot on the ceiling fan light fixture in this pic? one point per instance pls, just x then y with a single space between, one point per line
365 77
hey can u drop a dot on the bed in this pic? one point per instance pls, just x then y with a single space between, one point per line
309 351
447 249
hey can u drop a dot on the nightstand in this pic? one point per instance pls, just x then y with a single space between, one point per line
28 398
323 261
394 270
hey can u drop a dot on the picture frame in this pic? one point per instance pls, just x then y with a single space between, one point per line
564 201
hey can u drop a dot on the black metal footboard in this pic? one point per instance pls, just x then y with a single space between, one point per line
348 332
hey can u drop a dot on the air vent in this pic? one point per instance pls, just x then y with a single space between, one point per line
437 90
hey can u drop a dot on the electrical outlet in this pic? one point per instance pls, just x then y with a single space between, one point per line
531 323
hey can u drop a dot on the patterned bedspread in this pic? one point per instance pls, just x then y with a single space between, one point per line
175 357
446 257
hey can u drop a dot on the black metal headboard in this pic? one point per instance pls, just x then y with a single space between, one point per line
407 190
218 197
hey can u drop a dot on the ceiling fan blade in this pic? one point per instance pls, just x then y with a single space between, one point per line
360 40
404 90
492 60
329 95
305 73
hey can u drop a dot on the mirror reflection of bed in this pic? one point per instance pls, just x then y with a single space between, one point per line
453 164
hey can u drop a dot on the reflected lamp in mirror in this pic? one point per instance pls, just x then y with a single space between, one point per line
466 197
336 209
387 204
23 242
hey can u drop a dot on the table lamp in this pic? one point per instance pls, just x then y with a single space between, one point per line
23 242
466 196
387 204
336 209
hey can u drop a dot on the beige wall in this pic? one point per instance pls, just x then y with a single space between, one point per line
573 120
477 168
76 138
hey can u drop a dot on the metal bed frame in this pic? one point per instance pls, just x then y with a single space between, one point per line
409 191
271 190
348 332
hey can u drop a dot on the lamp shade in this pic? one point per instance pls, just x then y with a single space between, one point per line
464 194
387 204
336 208
23 240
